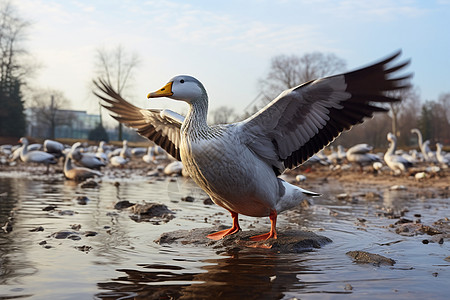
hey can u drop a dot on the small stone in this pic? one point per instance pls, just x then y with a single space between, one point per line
84 248
66 212
366 257
90 233
40 228
425 242
348 287
75 227
123 204
65 234
208 201
82 200
188 199
49 208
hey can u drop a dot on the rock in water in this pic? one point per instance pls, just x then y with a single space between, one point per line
288 241
370 258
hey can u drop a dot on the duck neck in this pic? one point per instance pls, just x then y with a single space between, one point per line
24 149
68 163
391 149
195 123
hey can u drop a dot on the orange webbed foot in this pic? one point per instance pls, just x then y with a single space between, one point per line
265 236
220 234
272 233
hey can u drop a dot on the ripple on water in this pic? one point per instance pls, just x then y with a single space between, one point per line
122 261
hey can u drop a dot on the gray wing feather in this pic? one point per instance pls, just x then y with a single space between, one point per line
305 119
159 126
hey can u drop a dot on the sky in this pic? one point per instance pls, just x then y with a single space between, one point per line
228 45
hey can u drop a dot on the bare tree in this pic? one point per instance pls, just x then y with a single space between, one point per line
46 107
14 68
223 115
405 112
289 71
116 67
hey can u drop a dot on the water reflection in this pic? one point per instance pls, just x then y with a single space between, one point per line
249 275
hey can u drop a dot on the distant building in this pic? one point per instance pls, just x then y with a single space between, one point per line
75 124
67 123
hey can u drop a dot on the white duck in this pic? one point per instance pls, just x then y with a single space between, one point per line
88 160
101 153
54 147
121 159
396 163
360 155
423 146
35 156
238 164
442 158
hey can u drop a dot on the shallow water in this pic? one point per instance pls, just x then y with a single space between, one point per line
123 262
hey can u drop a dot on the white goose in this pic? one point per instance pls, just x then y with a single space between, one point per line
238 164
360 155
121 159
442 158
396 163
100 153
88 160
423 146
35 156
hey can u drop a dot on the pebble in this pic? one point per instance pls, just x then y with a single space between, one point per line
208 201
123 204
49 207
82 200
366 257
188 199
39 228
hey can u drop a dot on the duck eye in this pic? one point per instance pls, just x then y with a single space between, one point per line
182 81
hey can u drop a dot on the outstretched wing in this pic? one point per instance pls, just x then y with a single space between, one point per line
159 126
305 119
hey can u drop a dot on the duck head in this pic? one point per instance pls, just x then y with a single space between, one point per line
182 87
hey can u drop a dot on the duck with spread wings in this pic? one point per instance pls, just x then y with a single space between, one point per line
238 164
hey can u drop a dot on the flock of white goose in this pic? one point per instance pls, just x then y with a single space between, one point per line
395 160
81 163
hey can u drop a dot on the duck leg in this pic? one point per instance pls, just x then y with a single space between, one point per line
220 234
272 233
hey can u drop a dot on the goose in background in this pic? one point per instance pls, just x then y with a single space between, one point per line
53 147
442 157
36 156
139 151
360 155
238 164
423 146
333 157
121 159
430 155
342 155
101 152
77 173
396 163
117 151
88 160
